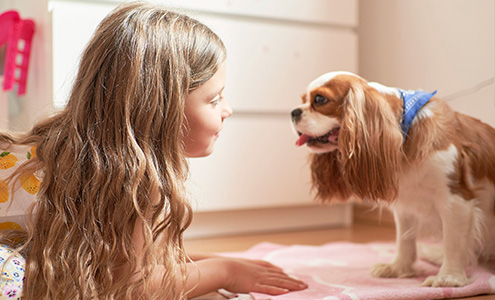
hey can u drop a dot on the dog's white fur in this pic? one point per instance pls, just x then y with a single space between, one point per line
439 182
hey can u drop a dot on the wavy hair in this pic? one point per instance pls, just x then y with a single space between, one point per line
113 157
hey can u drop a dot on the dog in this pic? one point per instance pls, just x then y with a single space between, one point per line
432 166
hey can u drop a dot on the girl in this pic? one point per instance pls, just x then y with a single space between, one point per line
108 218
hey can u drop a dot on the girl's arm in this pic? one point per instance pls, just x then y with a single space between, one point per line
195 256
210 273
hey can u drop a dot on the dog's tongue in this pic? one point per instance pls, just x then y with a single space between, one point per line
334 136
302 140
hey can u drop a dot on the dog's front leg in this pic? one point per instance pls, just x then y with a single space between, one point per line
458 231
401 266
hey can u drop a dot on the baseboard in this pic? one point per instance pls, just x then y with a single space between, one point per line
234 222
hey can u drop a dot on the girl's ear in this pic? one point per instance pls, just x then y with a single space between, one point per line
370 145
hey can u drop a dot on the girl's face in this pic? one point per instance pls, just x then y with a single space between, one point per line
205 110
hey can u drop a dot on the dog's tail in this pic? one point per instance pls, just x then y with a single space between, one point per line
431 252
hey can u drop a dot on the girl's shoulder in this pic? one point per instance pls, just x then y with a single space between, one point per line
16 194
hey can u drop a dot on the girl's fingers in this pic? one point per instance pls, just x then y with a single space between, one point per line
279 287
270 290
285 282
283 275
263 277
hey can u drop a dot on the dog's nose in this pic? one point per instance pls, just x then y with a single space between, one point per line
296 114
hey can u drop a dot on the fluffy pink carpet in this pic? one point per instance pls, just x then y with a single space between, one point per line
342 271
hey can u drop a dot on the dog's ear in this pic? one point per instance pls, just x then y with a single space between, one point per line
327 178
370 144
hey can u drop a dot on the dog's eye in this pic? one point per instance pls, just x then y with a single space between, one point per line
320 100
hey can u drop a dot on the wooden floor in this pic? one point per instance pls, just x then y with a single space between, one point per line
359 233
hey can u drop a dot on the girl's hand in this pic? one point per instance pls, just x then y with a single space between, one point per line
238 275
245 275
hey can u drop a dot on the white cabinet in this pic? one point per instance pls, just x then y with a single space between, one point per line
275 48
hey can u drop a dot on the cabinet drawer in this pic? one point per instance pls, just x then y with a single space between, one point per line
330 12
336 12
270 64
255 164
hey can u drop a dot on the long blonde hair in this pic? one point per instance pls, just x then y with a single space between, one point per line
113 156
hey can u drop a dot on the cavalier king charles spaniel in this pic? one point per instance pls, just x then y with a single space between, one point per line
432 166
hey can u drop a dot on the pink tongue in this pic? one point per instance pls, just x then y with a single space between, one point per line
302 140
333 138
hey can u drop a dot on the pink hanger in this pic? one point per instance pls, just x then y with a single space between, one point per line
17 33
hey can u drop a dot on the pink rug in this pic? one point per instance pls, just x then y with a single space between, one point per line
342 271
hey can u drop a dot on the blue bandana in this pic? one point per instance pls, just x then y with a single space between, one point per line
413 102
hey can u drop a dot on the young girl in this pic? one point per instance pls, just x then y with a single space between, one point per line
108 171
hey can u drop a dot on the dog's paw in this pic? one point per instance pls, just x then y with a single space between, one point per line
392 271
446 280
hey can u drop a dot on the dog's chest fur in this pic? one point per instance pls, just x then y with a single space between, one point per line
424 185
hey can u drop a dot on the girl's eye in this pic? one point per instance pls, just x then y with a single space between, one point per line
320 100
216 100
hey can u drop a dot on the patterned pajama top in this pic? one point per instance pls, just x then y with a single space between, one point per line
13 206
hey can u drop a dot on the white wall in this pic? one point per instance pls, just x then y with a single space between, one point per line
444 45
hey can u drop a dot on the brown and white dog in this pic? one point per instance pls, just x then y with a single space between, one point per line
434 167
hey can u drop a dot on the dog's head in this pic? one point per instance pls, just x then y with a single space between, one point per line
319 119
354 124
